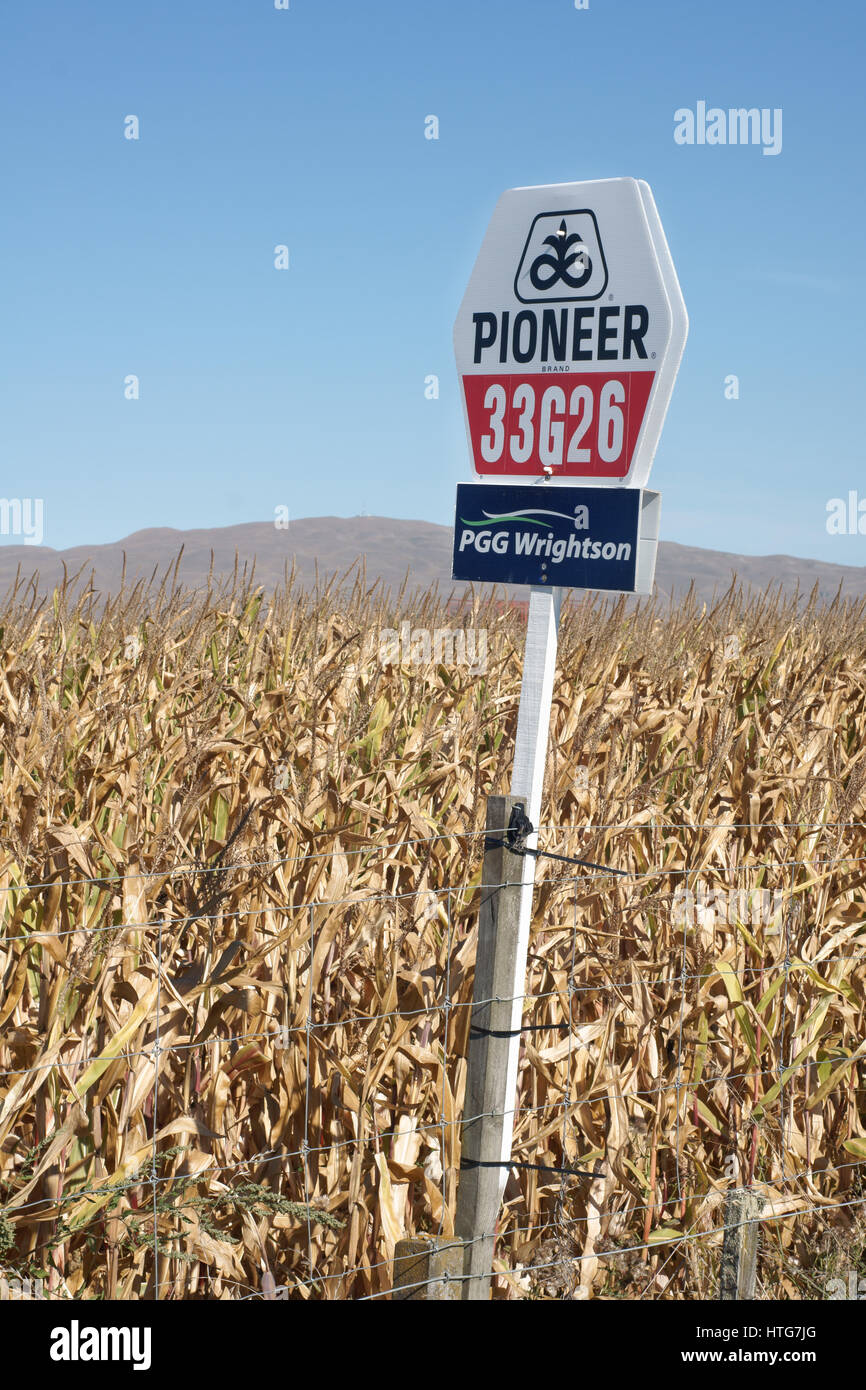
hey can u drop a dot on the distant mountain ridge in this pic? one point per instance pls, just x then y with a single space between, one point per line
393 548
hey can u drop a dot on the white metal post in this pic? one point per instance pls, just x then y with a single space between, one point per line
527 782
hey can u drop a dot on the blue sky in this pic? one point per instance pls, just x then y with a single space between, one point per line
305 127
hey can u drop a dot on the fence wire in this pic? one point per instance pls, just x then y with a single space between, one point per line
250 1102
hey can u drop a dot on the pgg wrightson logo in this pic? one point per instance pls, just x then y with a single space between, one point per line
480 535
562 260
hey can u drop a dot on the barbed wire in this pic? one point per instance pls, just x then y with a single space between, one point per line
612 1253
444 1009
107 879
359 900
445 1005
713 1233
202 869
136 1180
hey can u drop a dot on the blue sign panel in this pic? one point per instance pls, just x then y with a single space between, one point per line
570 537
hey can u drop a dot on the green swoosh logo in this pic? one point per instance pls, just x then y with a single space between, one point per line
490 521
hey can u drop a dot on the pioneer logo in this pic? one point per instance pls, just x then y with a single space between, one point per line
610 333
568 338
562 260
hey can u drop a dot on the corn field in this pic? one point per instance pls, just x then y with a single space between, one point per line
240 853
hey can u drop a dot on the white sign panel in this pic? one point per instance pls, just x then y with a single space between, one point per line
570 335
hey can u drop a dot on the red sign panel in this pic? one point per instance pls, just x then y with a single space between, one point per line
579 425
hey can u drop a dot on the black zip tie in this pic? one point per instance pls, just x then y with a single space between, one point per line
519 826
467 1163
476 1030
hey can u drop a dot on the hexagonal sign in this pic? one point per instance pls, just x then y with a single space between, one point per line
570 335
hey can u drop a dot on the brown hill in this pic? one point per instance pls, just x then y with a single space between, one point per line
393 549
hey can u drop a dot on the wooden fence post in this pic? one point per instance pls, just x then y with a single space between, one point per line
482 1174
427 1269
504 919
740 1246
